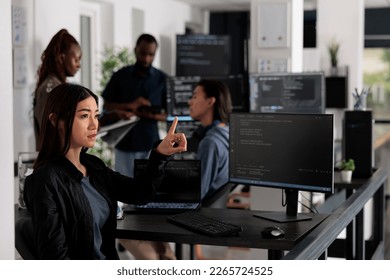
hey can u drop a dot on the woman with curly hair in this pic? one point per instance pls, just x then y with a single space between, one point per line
60 59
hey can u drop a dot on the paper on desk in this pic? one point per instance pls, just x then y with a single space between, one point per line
118 124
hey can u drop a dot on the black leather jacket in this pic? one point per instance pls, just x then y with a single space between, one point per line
62 217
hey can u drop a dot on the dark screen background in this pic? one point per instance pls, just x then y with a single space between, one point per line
282 150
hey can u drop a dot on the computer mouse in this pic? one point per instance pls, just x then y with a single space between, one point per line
272 232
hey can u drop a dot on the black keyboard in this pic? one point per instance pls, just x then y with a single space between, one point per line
165 205
197 222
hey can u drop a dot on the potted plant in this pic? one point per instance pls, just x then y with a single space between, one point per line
113 59
333 48
347 167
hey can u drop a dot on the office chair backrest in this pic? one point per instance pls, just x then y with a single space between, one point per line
24 238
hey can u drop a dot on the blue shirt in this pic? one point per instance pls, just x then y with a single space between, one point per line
213 151
126 86
100 212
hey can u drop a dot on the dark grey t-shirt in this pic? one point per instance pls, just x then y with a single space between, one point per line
100 212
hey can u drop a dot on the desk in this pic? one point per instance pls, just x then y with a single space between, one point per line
155 227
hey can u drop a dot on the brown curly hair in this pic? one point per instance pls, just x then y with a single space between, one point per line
60 43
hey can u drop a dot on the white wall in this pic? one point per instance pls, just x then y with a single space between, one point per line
344 21
41 26
7 250
114 30
22 95
276 35
49 17
163 25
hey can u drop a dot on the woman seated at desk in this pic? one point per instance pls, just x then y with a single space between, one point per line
72 196
211 105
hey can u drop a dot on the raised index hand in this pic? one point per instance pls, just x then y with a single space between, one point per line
174 142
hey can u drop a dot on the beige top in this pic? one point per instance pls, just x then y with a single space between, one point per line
42 93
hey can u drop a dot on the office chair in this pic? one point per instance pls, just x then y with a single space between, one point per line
24 238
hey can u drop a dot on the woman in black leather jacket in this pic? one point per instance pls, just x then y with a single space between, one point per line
72 196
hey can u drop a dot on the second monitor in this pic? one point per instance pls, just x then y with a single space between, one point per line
180 89
287 93
288 151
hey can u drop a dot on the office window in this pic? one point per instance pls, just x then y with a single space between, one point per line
377 28
376 71
310 29
376 63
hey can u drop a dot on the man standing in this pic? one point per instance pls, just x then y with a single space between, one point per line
138 89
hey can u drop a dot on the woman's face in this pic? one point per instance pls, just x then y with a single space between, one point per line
85 124
201 106
72 60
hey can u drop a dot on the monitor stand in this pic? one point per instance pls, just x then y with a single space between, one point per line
291 214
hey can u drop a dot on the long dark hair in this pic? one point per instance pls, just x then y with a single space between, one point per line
221 93
61 43
62 103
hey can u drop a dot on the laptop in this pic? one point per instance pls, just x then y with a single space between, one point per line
180 189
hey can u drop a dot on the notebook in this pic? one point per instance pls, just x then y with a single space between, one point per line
180 189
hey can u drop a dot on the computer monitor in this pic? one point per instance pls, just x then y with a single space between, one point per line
189 128
180 89
198 54
287 93
293 152
238 88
